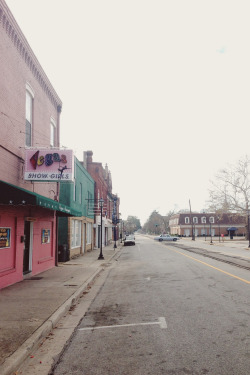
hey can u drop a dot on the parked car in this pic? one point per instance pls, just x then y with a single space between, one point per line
166 237
129 240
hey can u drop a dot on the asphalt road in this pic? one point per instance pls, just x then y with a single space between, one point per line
163 310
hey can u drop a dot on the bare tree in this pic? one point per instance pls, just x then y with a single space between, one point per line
132 224
230 190
157 224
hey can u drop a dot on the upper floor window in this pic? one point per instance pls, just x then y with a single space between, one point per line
29 117
186 220
52 133
195 220
211 219
203 220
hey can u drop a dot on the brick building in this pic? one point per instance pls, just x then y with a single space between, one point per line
103 189
205 224
76 232
29 117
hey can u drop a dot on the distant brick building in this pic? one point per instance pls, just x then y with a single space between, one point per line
205 224
103 189
76 232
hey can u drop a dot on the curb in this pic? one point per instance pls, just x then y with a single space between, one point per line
17 358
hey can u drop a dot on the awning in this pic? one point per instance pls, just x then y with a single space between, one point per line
14 195
230 229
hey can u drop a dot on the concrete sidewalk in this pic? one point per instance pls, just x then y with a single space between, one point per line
233 248
31 308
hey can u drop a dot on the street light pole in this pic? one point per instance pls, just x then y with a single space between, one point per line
101 201
115 233
211 241
121 230
191 222
219 227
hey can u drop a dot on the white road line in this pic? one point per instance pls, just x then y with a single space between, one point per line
161 322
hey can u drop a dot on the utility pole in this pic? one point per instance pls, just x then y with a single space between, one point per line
193 234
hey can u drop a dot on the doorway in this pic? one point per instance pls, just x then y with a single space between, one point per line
27 251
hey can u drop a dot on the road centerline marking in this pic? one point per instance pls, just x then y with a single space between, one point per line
215 268
161 322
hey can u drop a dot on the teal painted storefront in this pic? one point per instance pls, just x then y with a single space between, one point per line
78 195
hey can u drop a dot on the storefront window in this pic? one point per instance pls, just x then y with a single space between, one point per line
89 233
76 233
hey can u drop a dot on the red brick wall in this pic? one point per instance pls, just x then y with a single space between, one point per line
19 66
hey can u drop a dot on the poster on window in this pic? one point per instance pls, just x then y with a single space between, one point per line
45 236
4 238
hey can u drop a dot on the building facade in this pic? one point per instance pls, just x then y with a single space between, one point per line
29 117
207 224
76 233
110 210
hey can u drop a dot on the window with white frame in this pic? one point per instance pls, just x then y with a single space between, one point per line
186 220
76 233
195 220
89 234
29 116
211 219
203 220
52 133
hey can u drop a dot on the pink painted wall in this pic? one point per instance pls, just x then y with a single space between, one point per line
11 259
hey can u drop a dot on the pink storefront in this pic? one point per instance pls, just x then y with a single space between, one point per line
28 233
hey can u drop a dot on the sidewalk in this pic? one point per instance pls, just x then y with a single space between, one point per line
32 307
233 248
236 250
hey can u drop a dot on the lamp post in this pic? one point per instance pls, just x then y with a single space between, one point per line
211 241
114 219
115 233
218 218
191 222
121 229
101 201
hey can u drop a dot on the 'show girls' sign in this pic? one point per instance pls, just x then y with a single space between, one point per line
49 165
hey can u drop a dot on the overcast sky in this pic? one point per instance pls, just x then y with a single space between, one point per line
157 89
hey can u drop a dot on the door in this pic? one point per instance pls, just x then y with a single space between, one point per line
27 252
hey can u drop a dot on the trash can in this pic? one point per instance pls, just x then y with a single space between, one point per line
63 253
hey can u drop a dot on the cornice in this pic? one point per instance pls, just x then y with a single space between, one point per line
16 36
